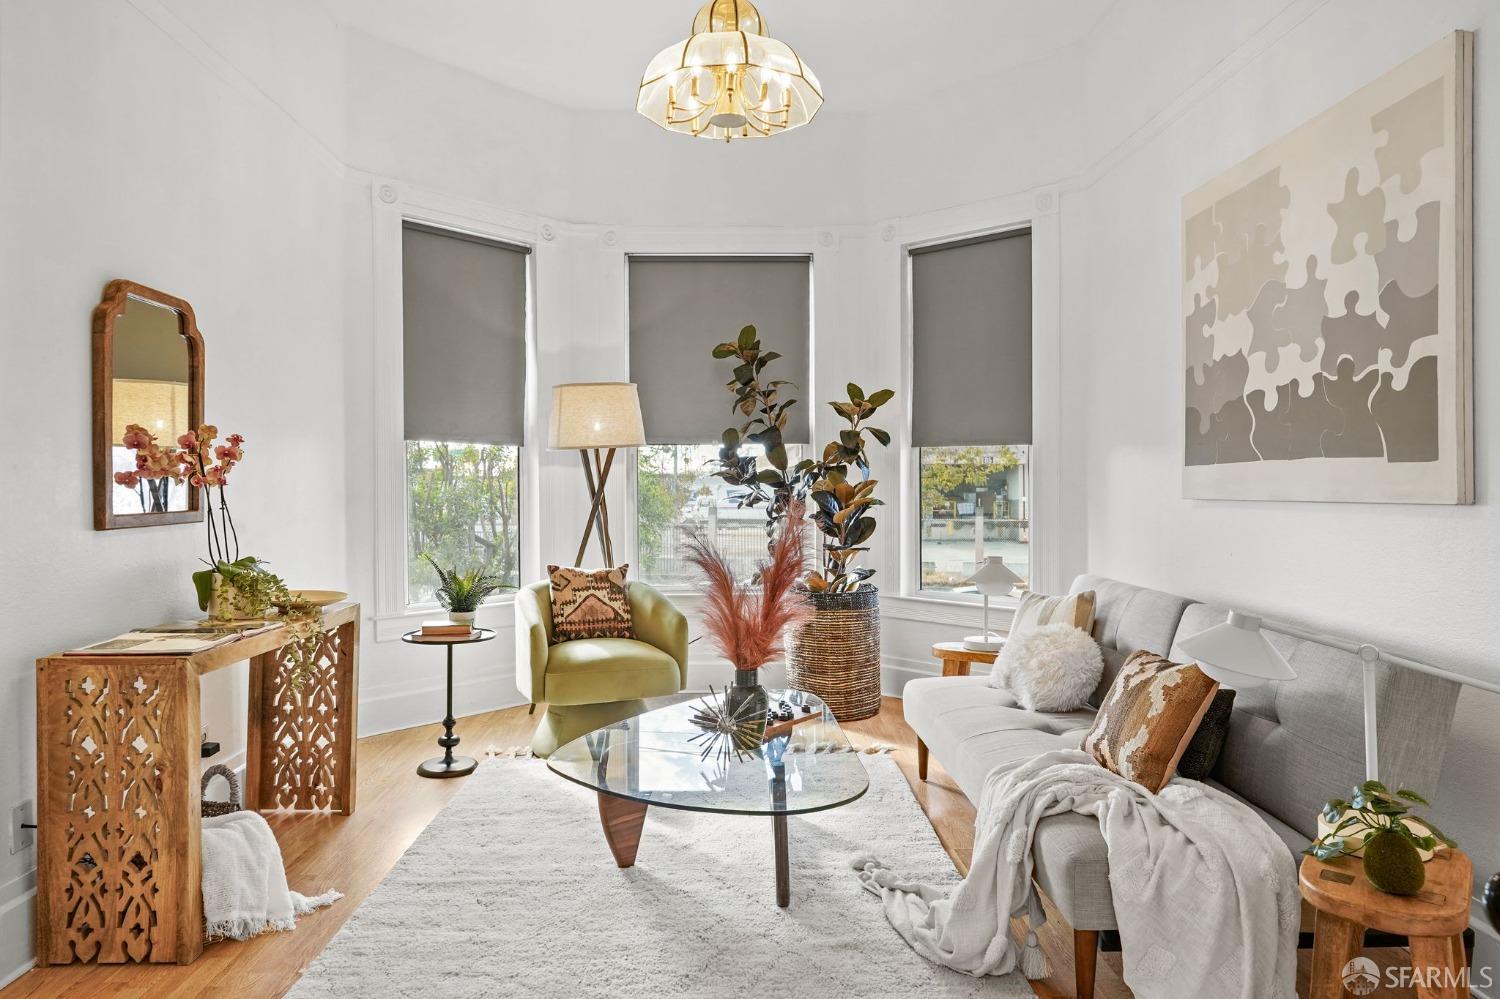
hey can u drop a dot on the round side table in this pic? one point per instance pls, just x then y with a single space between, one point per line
1433 921
449 765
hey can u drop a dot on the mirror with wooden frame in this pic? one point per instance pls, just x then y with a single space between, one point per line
148 370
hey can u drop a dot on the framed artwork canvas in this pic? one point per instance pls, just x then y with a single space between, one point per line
1327 298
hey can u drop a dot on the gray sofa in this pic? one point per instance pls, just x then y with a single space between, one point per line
1291 746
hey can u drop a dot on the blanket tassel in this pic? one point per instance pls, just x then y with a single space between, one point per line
1033 961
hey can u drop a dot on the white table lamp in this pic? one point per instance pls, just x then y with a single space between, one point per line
992 578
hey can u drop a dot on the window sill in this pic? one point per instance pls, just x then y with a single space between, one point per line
497 615
959 609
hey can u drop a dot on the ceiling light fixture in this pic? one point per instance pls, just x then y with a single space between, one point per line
729 79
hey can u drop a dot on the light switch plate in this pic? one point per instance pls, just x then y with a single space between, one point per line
22 814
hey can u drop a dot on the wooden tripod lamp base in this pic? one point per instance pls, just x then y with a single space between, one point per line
594 419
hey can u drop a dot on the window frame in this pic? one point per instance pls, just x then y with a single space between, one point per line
391 206
1037 213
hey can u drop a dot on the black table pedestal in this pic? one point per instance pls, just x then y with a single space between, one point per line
449 765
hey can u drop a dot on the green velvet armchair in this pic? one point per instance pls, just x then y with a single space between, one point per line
592 682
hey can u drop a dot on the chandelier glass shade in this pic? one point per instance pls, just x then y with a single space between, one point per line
729 79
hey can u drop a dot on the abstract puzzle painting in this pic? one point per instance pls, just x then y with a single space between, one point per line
1327 300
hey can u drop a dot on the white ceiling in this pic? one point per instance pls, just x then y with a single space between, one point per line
590 53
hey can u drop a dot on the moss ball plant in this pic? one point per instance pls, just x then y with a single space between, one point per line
1393 861
1392 864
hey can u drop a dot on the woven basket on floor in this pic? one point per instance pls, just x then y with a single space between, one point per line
216 808
837 655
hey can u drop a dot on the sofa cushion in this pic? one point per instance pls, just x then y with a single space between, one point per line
589 603
596 670
1149 717
1129 619
971 727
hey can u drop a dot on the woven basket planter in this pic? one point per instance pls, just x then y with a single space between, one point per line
837 655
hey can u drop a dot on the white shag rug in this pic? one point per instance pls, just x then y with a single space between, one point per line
511 891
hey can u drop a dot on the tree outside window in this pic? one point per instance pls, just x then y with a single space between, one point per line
463 509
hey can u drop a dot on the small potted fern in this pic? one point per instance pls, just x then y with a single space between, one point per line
462 592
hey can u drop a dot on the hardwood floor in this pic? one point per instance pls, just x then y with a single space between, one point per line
354 853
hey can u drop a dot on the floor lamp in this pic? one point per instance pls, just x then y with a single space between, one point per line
590 418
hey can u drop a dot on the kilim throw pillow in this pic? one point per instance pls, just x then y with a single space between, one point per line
1149 717
589 603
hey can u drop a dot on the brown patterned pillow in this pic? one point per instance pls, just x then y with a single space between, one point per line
589 604
1149 717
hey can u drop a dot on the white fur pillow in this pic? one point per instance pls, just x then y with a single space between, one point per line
1054 667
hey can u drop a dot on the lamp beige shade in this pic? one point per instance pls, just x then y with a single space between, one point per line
161 407
595 415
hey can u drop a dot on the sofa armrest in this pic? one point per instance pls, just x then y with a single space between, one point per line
531 640
658 622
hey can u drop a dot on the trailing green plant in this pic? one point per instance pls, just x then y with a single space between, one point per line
248 589
836 486
464 591
1373 808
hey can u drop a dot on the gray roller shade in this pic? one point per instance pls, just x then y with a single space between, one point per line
680 307
971 342
464 321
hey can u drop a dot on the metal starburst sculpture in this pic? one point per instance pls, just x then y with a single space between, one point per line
727 732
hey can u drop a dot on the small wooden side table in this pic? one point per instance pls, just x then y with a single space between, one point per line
1433 921
956 659
449 765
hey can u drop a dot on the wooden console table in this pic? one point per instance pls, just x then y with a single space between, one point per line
119 832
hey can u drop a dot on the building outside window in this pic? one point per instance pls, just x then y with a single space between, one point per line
974 504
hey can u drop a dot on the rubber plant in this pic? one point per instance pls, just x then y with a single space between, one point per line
836 486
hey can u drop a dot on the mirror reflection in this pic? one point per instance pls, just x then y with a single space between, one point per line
150 387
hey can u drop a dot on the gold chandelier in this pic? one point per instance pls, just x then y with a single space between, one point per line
729 79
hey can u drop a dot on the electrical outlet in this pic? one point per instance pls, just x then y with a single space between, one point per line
23 814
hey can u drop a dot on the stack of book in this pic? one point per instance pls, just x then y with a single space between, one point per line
444 629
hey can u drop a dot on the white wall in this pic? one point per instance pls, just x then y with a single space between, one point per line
1420 579
128 148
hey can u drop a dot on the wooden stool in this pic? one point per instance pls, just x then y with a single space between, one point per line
1433 921
956 661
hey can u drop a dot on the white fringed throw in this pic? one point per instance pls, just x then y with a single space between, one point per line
1206 893
244 883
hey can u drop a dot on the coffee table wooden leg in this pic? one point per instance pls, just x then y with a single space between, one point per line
622 821
1336 942
783 872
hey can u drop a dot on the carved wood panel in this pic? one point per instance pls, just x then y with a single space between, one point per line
306 753
109 752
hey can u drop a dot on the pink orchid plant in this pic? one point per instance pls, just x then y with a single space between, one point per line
203 464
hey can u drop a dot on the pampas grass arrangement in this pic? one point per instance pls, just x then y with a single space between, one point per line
748 623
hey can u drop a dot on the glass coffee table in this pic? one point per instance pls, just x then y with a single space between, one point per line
658 758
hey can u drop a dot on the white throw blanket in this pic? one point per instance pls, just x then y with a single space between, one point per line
244 883
1205 893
